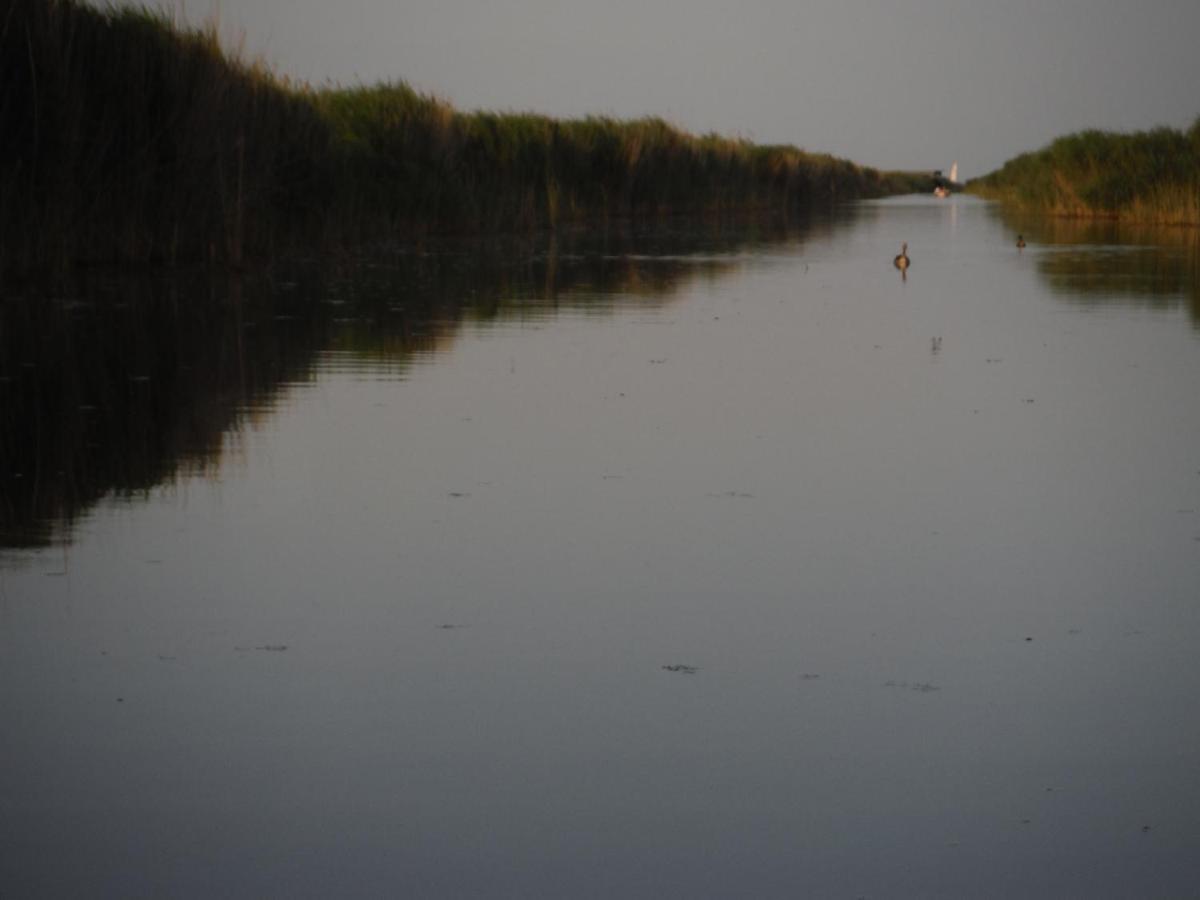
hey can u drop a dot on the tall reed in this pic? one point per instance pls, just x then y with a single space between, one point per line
124 138
1146 176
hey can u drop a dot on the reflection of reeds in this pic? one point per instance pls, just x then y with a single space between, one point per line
1151 176
1105 260
117 393
141 379
127 139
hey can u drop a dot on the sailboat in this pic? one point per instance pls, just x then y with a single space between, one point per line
943 188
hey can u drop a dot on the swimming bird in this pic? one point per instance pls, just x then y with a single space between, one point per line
1020 242
901 261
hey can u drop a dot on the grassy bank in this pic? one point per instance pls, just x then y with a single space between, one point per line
1147 176
124 138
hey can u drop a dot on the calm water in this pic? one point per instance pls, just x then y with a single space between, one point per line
690 563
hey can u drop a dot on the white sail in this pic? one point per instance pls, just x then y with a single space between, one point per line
954 172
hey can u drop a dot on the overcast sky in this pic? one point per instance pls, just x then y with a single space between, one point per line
889 83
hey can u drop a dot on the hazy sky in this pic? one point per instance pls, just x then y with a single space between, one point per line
902 83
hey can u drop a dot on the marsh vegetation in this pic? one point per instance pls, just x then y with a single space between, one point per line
128 139
1147 177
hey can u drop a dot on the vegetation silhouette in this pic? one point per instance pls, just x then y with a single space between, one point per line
1146 176
127 139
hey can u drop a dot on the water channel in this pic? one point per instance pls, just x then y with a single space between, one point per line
685 561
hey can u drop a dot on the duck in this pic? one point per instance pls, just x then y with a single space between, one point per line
901 261
1020 242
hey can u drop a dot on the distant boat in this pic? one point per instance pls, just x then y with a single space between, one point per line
944 188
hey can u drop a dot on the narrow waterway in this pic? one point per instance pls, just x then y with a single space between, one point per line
687 563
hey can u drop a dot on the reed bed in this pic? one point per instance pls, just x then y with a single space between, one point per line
1150 177
124 138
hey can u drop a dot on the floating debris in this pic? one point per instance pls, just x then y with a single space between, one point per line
809 676
681 668
920 687
738 494
458 495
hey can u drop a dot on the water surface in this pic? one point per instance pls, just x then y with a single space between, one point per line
709 562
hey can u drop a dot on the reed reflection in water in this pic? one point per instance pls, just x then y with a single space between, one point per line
1098 263
118 384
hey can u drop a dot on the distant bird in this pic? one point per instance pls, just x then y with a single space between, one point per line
1020 242
901 261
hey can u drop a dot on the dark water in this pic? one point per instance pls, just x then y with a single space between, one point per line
682 563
